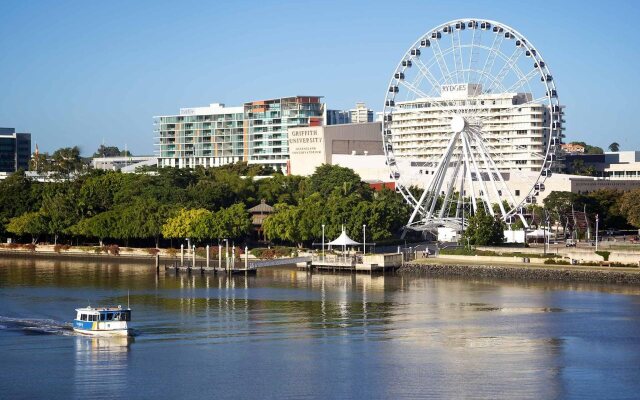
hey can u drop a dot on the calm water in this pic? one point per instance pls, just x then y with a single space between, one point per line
286 334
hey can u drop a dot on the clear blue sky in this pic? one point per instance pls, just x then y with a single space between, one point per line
78 72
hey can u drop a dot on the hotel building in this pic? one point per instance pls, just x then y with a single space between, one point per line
515 128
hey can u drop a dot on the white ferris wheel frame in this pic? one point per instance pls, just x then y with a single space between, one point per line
426 215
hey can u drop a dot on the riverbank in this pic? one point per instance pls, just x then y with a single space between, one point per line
433 267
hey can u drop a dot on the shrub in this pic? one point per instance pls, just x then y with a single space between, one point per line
113 249
462 251
59 247
557 262
604 254
29 246
152 251
171 252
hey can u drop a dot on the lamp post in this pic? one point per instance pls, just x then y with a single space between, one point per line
597 221
322 242
364 239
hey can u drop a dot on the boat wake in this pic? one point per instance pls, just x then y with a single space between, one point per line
35 326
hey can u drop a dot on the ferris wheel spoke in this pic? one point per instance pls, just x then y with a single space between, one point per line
522 81
442 62
491 56
457 54
425 71
471 52
508 66
414 89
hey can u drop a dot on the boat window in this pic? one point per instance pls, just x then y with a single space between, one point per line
103 316
83 317
126 315
93 317
116 316
109 316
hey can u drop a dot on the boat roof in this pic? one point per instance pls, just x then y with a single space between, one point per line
97 309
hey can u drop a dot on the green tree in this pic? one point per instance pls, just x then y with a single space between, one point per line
233 222
327 178
67 160
484 229
189 223
18 195
614 147
630 207
31 223
111 151
100 226
60 209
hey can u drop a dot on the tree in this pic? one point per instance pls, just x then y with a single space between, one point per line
189 223
18 195
232 222
614 147
328 177
484 229
31 223
630 207
59 206
100 226
111 151
67 160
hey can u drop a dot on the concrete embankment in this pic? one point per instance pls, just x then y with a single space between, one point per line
629 276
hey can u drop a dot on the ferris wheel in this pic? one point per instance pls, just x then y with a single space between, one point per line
472 116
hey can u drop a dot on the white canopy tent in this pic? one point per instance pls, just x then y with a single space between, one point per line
343 240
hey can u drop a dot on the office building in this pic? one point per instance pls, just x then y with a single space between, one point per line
15 150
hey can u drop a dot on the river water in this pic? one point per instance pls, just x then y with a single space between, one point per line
288 334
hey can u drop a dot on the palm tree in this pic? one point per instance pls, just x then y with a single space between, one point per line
614 147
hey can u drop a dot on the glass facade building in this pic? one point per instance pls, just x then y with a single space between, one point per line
218 135
207 136
15 150
267 123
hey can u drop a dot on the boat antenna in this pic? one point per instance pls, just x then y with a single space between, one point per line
128 298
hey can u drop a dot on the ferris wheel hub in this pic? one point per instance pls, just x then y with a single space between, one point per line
458 124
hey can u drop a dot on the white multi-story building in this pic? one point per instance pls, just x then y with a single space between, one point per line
207 136
514 128
361 114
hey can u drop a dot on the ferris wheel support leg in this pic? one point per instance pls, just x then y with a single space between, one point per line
452 183
474 204
484 194
442 172
487 165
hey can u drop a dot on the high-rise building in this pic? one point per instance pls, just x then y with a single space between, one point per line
15 150
516 129
218 135
338 117
267 123
361 114
207 136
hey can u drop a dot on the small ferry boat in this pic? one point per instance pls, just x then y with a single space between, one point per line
103 321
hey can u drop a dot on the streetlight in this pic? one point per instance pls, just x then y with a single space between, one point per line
323 242
597 221
364 240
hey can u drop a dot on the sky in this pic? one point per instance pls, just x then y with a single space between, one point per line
87 72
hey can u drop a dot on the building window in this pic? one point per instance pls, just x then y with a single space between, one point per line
517 192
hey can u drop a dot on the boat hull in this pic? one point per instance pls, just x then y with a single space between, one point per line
104 332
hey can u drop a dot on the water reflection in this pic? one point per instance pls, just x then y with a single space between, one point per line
338 335
101 367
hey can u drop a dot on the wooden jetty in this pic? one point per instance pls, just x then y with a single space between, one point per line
239 267
356 263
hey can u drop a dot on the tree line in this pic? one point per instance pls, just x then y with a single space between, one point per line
201 204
